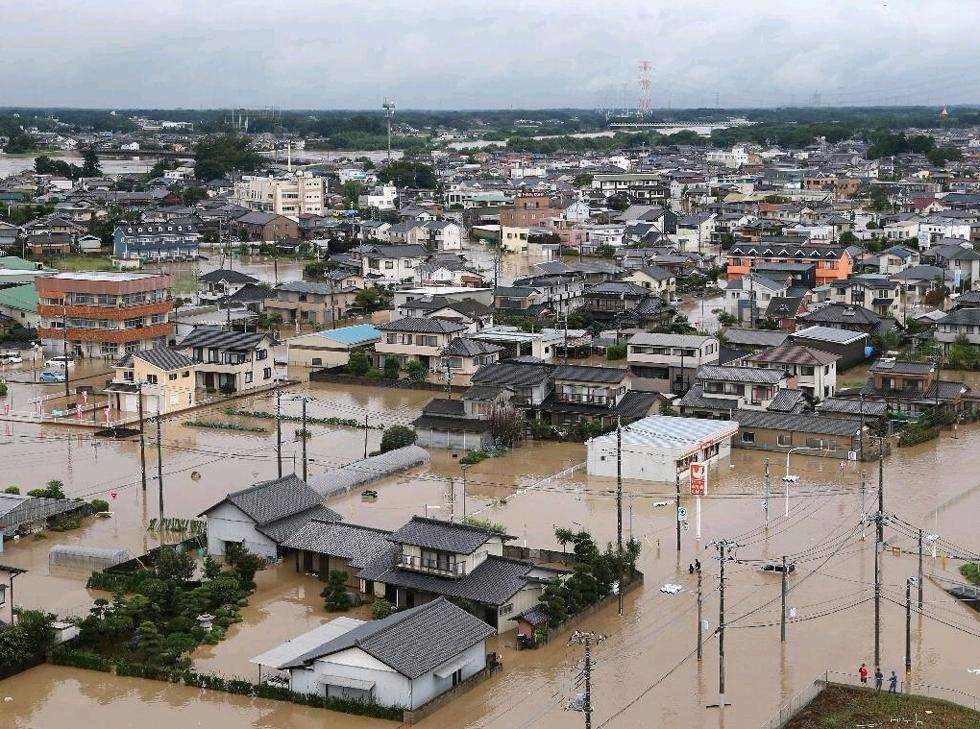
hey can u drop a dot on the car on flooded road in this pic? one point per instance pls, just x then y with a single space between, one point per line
51 377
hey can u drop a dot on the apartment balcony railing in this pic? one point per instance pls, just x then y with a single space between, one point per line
432 566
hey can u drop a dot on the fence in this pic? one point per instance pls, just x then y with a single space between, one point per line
799 701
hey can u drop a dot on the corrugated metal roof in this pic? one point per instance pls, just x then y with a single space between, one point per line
667 431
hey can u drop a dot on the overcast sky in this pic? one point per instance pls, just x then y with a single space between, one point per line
466 54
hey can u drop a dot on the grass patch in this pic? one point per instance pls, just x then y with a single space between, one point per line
971 571
841 706
264 415
81 263
216 425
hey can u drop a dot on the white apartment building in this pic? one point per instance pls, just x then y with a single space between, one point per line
382 197
668 362
291 195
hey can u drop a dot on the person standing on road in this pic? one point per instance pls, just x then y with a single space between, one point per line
863 672
892 683
879 677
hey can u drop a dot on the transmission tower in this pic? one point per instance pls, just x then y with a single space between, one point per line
389 109
644 70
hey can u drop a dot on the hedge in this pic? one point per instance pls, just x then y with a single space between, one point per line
64 656
217 425
262 414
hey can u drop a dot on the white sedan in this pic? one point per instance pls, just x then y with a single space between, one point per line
60 362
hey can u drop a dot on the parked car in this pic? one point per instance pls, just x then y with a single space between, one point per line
51 377
10 357
776 565
60 362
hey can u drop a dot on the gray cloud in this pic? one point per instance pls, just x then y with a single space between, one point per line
473 54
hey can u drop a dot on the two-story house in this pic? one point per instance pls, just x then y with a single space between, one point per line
529 381
748 297
463 423
216 285
598 394
390 265
431 558
876 293
914 388
230 361
442 235
721 390
607 301
462 357
561 292
655 279
815 370
311 302
474 314
163 377
959 323
666 363
419 338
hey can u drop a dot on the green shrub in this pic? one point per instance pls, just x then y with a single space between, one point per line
335 593
416 371
358 364
391 368
616 351
971 571
64 656
397 436
12 490
473 457
217 425
3 389
100 505
381 609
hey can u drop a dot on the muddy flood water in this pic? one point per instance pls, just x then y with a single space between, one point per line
645 672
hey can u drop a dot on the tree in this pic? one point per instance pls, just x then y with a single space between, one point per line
54 489
174 565
564 537
615 352
335 593
12 490
244 563
847 238
216 156
150 642
962 354
665 408
351 190
583 179
211 567
553 601
404 173
415 370
381 609
391 368
397 436
358 364
100 505
726 319
90 163
20 142
506 425
605 251
372 299
193 195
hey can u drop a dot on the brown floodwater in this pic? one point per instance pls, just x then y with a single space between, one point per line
934 485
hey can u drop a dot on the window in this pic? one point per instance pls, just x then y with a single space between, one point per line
266 373
748 436
406 338
172 376
391 338
248 377
814 443
784 439
261 354
151 379
389 264
3 594
318 361
185 373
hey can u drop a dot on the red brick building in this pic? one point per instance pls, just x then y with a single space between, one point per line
105 314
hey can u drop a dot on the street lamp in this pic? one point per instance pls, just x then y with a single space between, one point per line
463 467
789 478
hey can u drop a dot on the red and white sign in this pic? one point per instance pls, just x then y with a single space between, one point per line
699 479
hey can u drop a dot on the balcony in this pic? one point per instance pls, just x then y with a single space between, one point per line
118 336
441 568
109 312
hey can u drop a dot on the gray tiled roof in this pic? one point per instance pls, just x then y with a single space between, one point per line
727 373
840 314
228 275
444 406
901 367
353 542
853 406
495 581
217 338
787 401
796 422
511 373
413 641
795 354
422 325
755 337
586 373
463 347
165 358
443 535
695 398
274 505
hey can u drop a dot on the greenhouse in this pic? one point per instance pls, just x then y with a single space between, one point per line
368 470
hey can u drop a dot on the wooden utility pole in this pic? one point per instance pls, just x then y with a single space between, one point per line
908 626
677 511
64 345
919 583
365 435
305 436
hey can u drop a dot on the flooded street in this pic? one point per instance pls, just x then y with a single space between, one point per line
647 658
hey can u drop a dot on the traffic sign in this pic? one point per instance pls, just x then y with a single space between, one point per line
681 513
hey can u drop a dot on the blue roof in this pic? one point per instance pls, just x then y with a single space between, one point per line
357 334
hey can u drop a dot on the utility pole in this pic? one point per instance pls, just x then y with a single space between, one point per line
452 499
908 625
765 498
160 473
449 379
619 507
782 617
919 582
700 652
365 434
64 344
139 407
878 594
586 640
279 432
677 515
722 546
305 436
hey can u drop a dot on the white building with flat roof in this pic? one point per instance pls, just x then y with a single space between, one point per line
661 447
291 195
